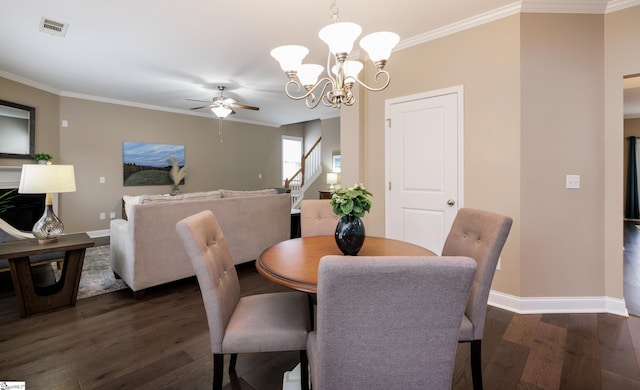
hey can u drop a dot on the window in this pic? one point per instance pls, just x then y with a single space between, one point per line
291 156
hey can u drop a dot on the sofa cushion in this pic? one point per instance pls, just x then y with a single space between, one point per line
144 199
237 194
129 202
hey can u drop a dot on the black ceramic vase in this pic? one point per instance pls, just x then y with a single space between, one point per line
350 235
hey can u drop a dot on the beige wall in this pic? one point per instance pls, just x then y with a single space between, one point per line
562 118
93 143
539 90
486 62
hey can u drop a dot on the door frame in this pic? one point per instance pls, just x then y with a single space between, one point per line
458 90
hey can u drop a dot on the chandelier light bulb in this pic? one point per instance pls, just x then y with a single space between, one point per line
340 36
379 45
290 56
309 73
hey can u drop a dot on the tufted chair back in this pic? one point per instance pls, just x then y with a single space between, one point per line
388 322
480 235
317 218
207 248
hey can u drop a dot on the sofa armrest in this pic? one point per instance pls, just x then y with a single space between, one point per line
121 254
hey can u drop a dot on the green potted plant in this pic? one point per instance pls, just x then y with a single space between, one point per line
42 158
5 199
350 205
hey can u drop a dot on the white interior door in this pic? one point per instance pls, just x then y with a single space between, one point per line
423 166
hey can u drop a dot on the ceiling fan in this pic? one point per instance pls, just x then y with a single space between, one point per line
223 106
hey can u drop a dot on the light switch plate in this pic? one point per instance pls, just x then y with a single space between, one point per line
573 182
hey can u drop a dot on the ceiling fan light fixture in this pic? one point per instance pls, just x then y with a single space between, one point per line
221 111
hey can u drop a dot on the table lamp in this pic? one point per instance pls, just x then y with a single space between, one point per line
332 178
47 179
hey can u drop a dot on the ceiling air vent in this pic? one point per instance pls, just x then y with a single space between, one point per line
52 27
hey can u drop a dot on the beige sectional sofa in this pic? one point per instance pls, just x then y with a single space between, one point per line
146 251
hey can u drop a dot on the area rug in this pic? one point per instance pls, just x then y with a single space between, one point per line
97 277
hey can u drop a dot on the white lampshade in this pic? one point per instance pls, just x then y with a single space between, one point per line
332 178
289 56
350 68
47 179
340 36
221 111
379 44
308 73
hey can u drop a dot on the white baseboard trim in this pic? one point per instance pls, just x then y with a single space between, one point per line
99 233
541 305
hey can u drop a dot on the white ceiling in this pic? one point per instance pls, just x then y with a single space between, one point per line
158 53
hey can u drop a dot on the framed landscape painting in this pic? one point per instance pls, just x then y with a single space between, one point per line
146 164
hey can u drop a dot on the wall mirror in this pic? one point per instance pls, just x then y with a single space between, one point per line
17 130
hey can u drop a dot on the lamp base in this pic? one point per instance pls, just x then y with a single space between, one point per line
49 227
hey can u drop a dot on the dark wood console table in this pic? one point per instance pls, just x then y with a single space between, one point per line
33 298
324 194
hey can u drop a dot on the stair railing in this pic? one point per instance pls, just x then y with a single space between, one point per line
310 163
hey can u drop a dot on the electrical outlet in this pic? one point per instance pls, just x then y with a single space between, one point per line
103 216
499 265
112 215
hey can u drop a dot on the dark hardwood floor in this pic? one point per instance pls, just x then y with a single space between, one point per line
161 342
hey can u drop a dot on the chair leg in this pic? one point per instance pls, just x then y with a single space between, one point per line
218 368
304 371
476 364
232 362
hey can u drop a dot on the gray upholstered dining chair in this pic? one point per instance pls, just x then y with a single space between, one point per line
317 218
480 235
388 322
257 323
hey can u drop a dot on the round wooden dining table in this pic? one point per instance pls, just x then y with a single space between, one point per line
294 263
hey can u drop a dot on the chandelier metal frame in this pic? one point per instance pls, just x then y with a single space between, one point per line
334 90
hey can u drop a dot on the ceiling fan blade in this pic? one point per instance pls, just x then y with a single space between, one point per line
207 106
238 105
197 100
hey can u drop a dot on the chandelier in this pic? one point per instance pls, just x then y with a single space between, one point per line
335 86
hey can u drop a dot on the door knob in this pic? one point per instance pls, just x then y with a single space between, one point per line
451 202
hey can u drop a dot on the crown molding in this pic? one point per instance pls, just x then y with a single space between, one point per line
564 6
462 25
617 5
524 6
30 83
